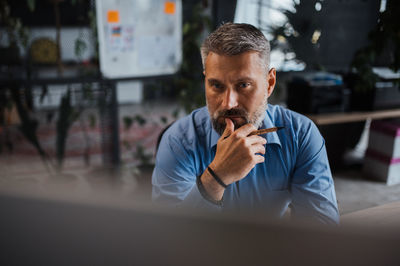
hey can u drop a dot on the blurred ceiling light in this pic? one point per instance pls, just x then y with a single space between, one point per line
383 6
315 36
318 6
290 56
281 39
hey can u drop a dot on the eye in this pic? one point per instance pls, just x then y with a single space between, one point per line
244 85
217 86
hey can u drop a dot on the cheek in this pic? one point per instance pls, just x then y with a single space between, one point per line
254 101
213 99
211 102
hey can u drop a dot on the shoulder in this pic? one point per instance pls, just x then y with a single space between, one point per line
288 118
299 127
187 129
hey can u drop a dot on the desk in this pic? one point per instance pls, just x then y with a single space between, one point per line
385 216
333 125
337 118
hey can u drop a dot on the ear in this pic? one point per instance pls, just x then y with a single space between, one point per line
271 79
204 72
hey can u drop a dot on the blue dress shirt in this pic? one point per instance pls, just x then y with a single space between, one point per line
296 169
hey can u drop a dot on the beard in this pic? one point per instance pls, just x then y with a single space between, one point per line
218 117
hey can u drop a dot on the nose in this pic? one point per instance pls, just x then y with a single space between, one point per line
230 100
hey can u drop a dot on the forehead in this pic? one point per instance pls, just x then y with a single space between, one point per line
247 63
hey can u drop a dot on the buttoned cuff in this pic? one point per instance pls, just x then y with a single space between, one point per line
196 199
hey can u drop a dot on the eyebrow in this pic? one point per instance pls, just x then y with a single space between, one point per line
241 79
212 81
244 79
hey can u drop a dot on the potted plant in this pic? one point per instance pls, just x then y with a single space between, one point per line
383 49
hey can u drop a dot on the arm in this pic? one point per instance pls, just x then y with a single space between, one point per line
312 188
174 177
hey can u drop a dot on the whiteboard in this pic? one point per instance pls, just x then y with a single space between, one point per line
139 38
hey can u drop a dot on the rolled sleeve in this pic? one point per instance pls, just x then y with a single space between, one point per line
312 188
174 177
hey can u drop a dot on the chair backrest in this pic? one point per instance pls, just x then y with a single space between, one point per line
160 137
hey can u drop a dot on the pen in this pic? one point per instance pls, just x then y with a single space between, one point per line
265 130
261 131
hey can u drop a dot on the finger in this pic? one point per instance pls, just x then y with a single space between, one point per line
259 159
258 149
229 128
257 140
245 130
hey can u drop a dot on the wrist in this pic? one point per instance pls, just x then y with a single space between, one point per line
206 194
211 186
216 177
219 174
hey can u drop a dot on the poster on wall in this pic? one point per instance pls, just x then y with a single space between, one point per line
139 38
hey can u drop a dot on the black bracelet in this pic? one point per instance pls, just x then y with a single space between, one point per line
204 193
216 177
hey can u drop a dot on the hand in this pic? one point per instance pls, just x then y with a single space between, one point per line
236 152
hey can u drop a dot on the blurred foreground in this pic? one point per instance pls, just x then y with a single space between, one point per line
99 225
91 215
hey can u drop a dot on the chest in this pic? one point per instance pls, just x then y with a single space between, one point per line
272 175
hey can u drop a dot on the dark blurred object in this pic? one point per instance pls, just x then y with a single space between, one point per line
385 94
188 82
382 50
325 34
223 11
344 29
322 92
106 229
317 92
340 138
10 56
73 13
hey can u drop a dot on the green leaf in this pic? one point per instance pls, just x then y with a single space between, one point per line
80 47
28 125
163 119
92 120
66 116
49 117
186 28
140 119
128 121
127 144
31 5
9 105
175 113
141 155
43 93
87 90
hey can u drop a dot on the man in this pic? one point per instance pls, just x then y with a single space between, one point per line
209 159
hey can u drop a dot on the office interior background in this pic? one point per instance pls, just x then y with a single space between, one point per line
79 127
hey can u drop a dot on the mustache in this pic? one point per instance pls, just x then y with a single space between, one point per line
219 125
233 112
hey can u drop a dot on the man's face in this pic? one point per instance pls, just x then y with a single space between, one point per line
237 87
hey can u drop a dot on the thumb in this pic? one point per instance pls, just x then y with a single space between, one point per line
229 128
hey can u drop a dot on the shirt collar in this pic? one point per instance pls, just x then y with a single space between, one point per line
272 138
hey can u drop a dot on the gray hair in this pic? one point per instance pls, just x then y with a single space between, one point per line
236 38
